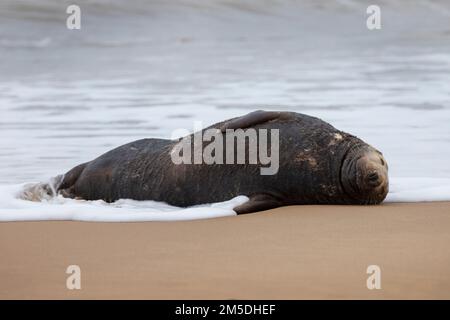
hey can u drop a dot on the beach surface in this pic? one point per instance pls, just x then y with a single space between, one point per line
299 252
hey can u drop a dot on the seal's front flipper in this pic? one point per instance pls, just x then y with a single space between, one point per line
249 120
259 202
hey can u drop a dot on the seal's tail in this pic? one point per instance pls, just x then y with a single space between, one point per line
68 181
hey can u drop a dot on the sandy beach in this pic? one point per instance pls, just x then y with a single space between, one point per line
301 252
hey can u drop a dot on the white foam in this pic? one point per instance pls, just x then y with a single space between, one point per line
418 189
125 210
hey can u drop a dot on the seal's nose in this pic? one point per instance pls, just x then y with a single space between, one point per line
373 174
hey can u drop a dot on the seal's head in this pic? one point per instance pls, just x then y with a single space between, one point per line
364 175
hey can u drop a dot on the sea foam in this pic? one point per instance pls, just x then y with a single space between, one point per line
125 210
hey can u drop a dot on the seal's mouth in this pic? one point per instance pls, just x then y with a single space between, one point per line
364 175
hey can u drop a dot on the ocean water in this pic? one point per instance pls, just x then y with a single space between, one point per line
140 69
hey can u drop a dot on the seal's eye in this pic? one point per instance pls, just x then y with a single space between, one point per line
373 179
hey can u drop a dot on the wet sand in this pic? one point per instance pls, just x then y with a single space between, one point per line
302 252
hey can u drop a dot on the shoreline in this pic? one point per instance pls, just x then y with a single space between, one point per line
297 252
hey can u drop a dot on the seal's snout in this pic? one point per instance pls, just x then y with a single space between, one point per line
372 175
364 175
